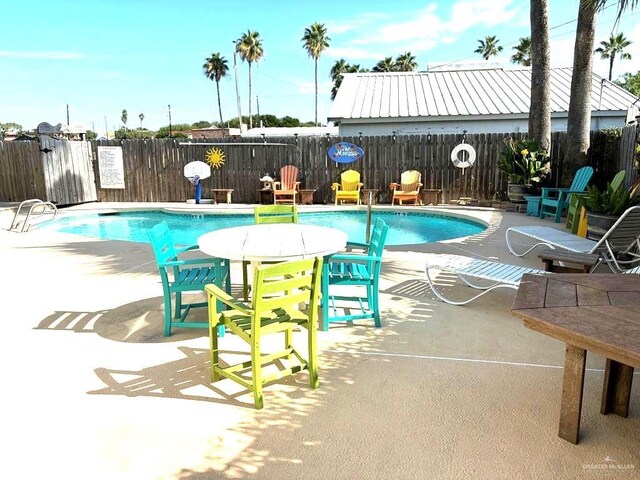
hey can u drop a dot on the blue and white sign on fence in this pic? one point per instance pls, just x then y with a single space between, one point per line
345 152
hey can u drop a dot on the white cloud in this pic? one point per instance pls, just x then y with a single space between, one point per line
466 14
353 53
45 55
338 27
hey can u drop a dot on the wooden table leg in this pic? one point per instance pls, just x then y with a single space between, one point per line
572 383
616 390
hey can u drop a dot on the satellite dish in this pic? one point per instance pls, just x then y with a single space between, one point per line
197 168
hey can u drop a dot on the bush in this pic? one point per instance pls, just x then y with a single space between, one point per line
524 162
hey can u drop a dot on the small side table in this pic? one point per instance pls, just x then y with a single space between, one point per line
430 196
584 262
364 193
533 204
265 196
224 193
306 196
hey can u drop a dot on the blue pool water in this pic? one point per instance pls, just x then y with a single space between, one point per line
405 228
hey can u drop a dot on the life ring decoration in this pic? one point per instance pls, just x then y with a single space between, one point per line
463 147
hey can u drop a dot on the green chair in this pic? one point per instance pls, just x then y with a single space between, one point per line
268 214
348 269
180 276
279 290
573 211
555 200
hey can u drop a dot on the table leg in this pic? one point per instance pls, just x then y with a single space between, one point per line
572 383
616 390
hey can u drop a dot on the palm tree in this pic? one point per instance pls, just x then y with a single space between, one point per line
579 116
340 67
141 117
214 68
386 65
249 47
406 63
315 41
615 46
540 60
523 52
488 47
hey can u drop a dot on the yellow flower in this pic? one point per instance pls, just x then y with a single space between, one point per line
215 157
524 152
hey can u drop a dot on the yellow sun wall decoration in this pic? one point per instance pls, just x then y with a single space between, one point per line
215 157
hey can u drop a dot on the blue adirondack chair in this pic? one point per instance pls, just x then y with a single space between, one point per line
189 275
355 269
555 200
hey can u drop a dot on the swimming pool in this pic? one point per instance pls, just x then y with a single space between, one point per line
405 228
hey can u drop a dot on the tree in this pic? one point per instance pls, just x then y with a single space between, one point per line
315 40
488 47
630 82
214 68
386 65
201 124
540 60
405 63
579 117
124 118
338 69
523 49
10 125
614 47
249 47
141 117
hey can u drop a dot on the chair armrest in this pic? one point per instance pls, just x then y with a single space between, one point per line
350 257
275 185
296 186
187 248
547 190
227 299
393 186
362 245
335 186
190 261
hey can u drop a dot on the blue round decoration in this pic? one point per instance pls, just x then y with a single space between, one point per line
345 152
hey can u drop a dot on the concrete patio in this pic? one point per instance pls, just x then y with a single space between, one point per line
93 389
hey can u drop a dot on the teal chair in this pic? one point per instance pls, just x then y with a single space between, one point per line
180 276
350 269
555 200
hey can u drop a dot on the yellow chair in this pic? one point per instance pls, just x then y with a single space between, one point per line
348 188
409 190
275 307
268 214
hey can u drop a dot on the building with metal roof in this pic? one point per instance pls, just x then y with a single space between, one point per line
494 100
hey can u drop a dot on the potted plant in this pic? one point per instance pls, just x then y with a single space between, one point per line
604 207
525 164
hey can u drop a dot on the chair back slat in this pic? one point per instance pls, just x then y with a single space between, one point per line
378 238
581 179
618 180
410 180
288 177
162 243
275 214
350 180
623 233
286 284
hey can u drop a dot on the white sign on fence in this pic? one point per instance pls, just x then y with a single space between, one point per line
110 167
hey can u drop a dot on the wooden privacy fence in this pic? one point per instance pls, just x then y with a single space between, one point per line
68 172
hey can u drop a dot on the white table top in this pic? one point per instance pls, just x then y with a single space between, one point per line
275 241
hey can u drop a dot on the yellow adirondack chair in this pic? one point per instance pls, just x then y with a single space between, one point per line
348 188
409 190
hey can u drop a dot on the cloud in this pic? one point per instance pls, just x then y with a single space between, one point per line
353 53
338 27
42 55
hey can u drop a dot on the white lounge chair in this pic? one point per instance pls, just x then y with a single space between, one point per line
622 237
502 275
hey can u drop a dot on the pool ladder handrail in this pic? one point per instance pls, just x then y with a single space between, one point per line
33 204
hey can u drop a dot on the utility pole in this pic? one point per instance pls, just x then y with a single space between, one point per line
106 129
235 69
170 132
67 114
258 108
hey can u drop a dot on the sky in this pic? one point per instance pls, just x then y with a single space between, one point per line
99 57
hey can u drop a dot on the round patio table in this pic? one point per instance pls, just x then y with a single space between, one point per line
272 242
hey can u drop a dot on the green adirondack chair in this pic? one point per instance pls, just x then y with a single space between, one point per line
555 200
573 211
268 214
349 269
279 290
180 276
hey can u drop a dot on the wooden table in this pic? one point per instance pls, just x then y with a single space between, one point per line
596 312
306 196
583 262
272 242
364 194
222 193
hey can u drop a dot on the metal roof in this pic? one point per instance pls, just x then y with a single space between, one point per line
461 92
